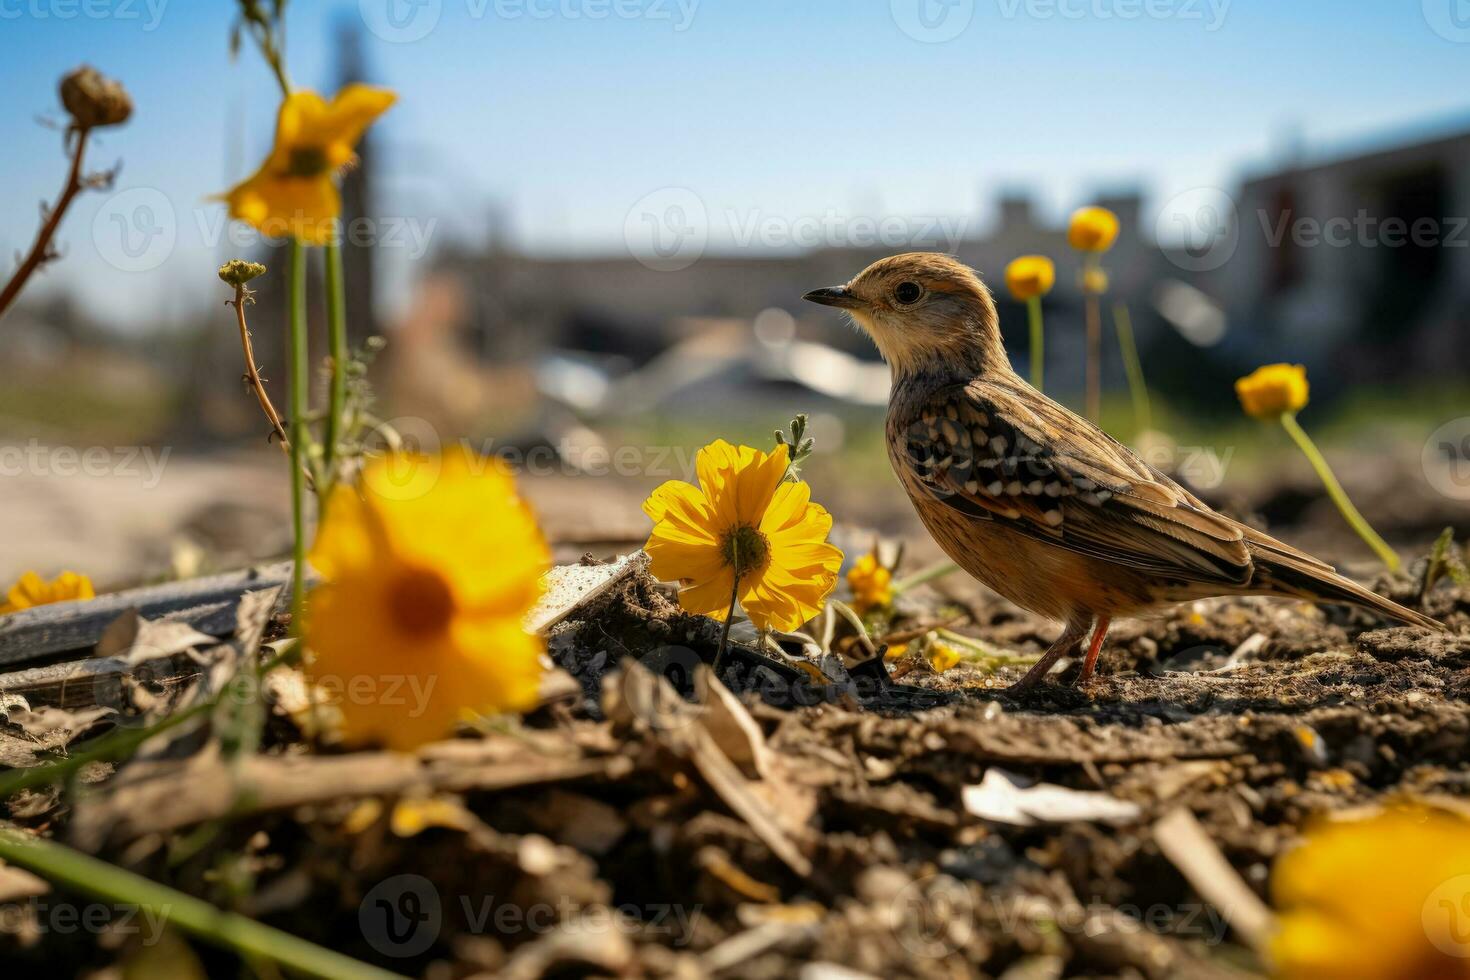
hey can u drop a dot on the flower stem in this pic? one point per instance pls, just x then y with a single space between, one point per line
1143 415
725 632
40 252
298 379
83 873
1336 492
1038 355
856 622
924 575
1094 345
337 327
112 746
252 371
120 743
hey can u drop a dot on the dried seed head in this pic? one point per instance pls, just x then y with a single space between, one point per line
237 272
92 99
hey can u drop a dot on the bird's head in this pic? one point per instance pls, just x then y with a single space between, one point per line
926 312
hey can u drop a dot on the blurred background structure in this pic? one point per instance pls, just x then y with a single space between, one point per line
582 233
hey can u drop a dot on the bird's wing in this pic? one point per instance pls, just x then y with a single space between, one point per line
999 453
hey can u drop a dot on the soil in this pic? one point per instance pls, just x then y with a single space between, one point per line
626 837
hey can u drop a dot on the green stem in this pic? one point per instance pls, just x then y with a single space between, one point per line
924 575
1094 341
989 653
1336 492
299 379
1038 354
856 622
83 873
337 327
1143 415
120 743
729 618
111 747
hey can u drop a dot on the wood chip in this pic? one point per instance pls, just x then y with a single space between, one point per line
1185 843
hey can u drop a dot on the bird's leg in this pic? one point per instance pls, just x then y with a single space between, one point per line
1071 638
1099 633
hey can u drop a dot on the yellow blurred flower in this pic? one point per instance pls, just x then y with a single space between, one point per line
1030 276
32 590
942 656
1269 391
895 651
743 519
430 563
1092 229
871 584
1094 280
294 191
1382 898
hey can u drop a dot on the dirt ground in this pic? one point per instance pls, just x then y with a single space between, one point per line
819 828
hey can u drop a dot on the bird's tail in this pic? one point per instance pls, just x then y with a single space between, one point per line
1281 570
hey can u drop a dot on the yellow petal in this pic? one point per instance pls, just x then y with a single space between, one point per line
709 598
685 507
755 483
352 112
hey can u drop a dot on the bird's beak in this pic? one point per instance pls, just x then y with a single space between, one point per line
839 296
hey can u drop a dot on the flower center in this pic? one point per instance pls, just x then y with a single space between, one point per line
745 549
307 161
420 602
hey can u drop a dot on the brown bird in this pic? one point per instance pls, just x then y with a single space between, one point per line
1032 499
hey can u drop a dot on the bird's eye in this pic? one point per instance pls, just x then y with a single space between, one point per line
908 292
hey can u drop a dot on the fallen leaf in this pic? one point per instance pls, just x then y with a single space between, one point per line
1004 798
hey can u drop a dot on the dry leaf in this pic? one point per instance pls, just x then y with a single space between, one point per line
1004 798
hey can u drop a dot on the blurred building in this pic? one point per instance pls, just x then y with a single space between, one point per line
1360 256
1355 264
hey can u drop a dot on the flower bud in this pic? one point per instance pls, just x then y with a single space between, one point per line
237 272
92 99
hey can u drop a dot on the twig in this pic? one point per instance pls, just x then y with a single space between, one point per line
41 252
252 370
1191 850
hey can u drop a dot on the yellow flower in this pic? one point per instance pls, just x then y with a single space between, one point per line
1383 898
1094 280
32 590
1092 230
942 656
743 518
1269 391
896 651
293 192
871 584
430 563
1030 276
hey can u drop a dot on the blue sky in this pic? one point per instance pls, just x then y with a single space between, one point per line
561 115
